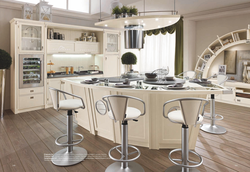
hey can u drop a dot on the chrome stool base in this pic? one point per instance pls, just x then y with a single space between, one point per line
132 167
214 129
65 158
177 168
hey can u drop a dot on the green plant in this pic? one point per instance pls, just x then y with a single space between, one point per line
116 10
5 60
133 10
129 58
125 9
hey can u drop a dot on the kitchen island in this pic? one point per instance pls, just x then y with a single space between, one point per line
152 130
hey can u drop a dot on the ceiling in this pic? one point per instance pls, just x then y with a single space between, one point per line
184 6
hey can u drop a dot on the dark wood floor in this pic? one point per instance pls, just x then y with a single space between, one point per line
26 137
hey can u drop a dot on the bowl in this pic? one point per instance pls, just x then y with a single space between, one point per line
94 79
150 75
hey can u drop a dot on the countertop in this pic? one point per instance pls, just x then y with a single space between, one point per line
82 73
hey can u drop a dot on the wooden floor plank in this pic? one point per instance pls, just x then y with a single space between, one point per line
29 160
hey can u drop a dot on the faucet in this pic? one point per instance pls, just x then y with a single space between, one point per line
95 66
79 68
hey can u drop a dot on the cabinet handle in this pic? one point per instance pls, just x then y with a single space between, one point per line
238 100
106 58
62 82
31 91
106 49
31 97
42 48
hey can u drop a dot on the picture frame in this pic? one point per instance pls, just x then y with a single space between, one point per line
207 57
230 60
222 69
203 66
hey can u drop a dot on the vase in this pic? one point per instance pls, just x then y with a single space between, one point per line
245 72
2 85
127 68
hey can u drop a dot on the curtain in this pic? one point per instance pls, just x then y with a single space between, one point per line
178 29
158 52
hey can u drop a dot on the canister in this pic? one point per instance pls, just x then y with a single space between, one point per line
93 39
89 38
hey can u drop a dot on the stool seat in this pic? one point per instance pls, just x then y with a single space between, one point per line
176 116
70 104
131 113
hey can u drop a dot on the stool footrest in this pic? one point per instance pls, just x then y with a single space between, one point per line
65 144
121 159
182 165
208 116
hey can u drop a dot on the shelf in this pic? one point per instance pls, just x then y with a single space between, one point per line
31 38
148 22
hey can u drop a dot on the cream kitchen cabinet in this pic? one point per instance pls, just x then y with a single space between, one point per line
59 46
54 83
87 47
30 37
111 42
111 65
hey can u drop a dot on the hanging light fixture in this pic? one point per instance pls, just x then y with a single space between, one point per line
134 27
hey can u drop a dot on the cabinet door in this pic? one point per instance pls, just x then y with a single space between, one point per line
111 42
111 66
31 38
55 83
56 46
87 47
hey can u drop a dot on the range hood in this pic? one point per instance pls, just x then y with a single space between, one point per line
133 37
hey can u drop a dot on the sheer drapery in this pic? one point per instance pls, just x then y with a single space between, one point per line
158 52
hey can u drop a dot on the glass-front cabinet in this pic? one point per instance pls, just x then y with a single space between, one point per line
31 38
112 43
30 71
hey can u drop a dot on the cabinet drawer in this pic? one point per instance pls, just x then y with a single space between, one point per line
245 101
31 91
31 101
60 47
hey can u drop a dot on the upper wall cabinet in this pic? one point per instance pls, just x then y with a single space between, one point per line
31 38
59 46
111 42
87 47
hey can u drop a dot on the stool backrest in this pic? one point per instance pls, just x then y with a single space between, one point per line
221 79
54 93
118 104
190 109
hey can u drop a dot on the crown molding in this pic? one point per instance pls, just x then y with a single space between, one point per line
219 12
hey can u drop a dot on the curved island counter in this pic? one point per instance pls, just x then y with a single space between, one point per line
152 130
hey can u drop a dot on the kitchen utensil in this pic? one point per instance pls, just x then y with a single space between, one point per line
150 75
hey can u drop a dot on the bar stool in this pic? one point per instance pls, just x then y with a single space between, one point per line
187 75
212 128
118 111
187 113
69 155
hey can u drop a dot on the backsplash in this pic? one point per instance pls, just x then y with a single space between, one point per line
75 61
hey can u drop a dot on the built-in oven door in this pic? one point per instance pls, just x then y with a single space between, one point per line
30 70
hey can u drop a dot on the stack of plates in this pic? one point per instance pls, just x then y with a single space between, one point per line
169 78
172 87
89 82
151 79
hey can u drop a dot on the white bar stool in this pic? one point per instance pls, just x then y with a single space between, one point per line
69 155
187 113
118 111
212 127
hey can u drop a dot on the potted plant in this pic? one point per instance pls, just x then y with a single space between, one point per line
5 62
132 11
116 12
124 11
129 59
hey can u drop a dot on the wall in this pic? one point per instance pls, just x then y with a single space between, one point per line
207 30
6 14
